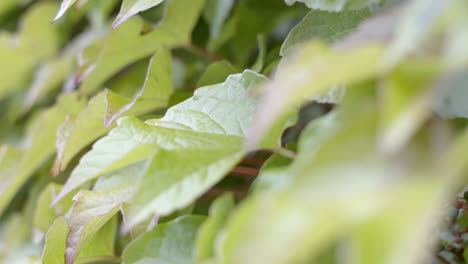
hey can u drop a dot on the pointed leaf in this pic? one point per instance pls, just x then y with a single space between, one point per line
311 72
219 212
334 5
130 8
125 44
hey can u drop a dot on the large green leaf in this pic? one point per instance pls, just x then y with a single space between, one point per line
39 145
216 12
171 242
334 5
422 21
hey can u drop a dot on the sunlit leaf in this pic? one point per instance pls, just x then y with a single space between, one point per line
206 236
310 72
35 40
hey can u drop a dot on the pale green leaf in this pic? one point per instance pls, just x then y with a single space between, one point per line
132 141
215 73
130 8
44 214
56 242
323 25
156 90
331 197
91 211
49 76
36 40
125 44
226 108
6 6
210 126
406 102
96 119
167 243
165 189
311 72
101 245
420 21
219 212
66 4
216 12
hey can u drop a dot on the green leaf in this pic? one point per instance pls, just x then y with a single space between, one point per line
101 246
132 7
125 44
132 141
35 31
165 189
330 197
39 143
262 49
210 126
171 242
311 72
216 12
226 108
49 76
219 212
452 89
334 5
44 214
66 4
323 25
406 102
215 73
97 118
56 242
91 211
420 21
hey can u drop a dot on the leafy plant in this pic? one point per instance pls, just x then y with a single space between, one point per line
227 132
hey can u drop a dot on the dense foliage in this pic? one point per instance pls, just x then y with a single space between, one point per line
233 132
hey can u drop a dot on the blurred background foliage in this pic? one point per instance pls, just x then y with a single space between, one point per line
233 131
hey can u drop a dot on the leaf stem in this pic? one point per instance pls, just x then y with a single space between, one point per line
204 53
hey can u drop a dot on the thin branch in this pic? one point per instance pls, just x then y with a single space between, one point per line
204 53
